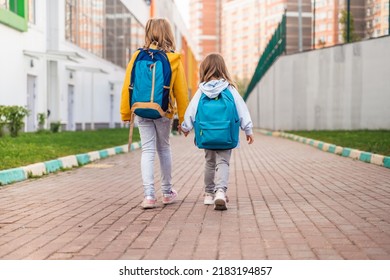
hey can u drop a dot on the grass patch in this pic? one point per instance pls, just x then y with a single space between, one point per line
31 148
373 141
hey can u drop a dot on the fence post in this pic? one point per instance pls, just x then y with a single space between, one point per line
348 19
314 24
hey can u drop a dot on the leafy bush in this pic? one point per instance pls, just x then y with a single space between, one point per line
55 126
14 118
2 119
41 121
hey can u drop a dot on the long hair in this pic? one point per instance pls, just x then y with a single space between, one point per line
158 31
214 67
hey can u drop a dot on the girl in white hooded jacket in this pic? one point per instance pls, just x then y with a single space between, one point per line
214 78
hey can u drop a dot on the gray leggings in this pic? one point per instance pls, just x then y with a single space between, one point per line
216 174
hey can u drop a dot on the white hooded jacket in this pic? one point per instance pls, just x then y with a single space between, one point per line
212 89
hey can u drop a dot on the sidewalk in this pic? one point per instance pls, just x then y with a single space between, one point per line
287 201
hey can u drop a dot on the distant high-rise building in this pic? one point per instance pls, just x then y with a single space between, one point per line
85 24
325 23
105 28
376 18
327 28
240 37
205 25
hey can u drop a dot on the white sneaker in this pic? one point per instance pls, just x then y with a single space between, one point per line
220 200
208 199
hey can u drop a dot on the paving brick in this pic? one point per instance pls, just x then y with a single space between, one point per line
287 201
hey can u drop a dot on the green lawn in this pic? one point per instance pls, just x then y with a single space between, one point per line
38 147
374 141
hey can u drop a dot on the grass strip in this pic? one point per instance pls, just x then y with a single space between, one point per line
372 141
31 148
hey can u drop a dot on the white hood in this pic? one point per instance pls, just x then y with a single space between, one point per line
214 87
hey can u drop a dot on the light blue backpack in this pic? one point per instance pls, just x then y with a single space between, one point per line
216 122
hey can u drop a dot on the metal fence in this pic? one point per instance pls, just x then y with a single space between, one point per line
275 48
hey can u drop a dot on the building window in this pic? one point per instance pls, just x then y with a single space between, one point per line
13 13
31 11
103 27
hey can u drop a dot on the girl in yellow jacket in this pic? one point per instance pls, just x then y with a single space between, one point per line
155 132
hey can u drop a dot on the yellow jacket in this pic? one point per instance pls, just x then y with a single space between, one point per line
178 88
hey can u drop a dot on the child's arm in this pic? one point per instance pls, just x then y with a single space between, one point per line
250 139
189 116
180 91
243 113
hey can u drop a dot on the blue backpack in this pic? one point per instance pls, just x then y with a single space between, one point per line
216 122
149 85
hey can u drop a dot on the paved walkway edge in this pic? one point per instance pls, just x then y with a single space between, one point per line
9 176
331 148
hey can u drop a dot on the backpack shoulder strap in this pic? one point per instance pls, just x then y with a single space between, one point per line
228 94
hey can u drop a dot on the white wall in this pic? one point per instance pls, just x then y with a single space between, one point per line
92 86
343 87
15 66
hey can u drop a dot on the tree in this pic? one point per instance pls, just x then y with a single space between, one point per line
353 36
242 85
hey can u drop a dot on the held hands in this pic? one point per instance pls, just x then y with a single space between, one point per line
250 139
184 132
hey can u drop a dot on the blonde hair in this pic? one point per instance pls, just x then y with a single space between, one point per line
213 67
158 31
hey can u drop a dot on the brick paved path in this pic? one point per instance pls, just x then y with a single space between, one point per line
287 201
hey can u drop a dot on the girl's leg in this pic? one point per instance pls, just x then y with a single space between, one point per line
209 172
222 179
147 132
163 127
222 169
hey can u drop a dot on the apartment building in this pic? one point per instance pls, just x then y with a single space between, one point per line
376 18
327 28
240 37
57 60
205 25
325 23
185 43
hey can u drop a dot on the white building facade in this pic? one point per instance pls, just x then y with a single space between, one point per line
42 71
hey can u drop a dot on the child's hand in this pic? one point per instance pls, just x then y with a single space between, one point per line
250 139
186 133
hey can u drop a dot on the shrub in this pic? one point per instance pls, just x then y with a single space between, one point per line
55 126
2 119
14 116
41 121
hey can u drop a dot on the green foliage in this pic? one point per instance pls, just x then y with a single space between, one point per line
353 37
242 85
41 120
2 119
14 117
373 141
31 148
55 126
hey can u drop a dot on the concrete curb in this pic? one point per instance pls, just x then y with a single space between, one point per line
331 148
9 176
